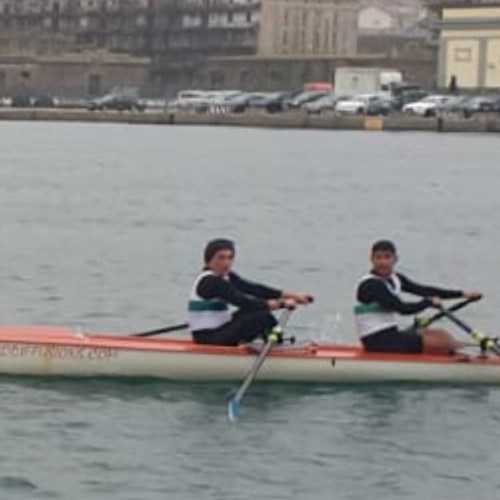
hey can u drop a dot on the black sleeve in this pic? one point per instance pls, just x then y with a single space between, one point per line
375 290
215 287
427 291
254 289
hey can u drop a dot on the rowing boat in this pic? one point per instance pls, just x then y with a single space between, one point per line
49 351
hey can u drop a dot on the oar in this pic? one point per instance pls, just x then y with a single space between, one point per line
234 405
484 341
423 321
166 329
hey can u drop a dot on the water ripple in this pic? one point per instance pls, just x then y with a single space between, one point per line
16 483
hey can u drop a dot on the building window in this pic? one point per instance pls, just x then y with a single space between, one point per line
4 44
249 17
229 17
94 84
326 35
316 42
463 55
25 45
217 79
245 78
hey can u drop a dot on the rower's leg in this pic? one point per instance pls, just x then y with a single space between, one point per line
244 327
439 341
253 324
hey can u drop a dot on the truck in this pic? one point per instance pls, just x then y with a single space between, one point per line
351 81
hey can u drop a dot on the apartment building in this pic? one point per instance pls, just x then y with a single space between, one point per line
177 36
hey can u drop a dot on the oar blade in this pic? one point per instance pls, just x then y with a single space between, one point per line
233 409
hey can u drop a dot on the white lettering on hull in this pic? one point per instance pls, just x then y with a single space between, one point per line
89 353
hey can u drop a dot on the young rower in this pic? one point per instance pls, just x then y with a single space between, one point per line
218 286
378 302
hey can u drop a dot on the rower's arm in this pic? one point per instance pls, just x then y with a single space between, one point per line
254 289
410 286
375 290
214 287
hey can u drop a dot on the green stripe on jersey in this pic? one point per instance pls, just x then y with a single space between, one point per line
207 305
372 307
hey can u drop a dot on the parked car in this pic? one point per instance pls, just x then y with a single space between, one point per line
6 101
188 99
480 104
365 104
426 106
115 101
153 103
215 101
43 101
272 102
203 101
453 105
33 101
241 102
380 105
21 101
324 103
72 103
407 96
305 97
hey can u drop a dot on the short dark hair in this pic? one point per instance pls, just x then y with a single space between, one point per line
384 246
215 246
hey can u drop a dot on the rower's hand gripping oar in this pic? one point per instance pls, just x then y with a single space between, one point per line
425 321
486 343
234 405
158 331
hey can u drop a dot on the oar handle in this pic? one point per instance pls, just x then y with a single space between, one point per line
424 321
285 304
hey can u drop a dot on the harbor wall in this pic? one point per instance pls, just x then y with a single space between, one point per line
290 120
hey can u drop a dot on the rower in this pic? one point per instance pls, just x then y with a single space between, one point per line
218 286
378 302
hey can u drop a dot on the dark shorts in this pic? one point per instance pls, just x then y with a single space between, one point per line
394 340
243 328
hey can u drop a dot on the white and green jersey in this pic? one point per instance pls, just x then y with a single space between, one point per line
206 314
371 317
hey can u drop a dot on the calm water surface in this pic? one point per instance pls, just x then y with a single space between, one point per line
101 228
